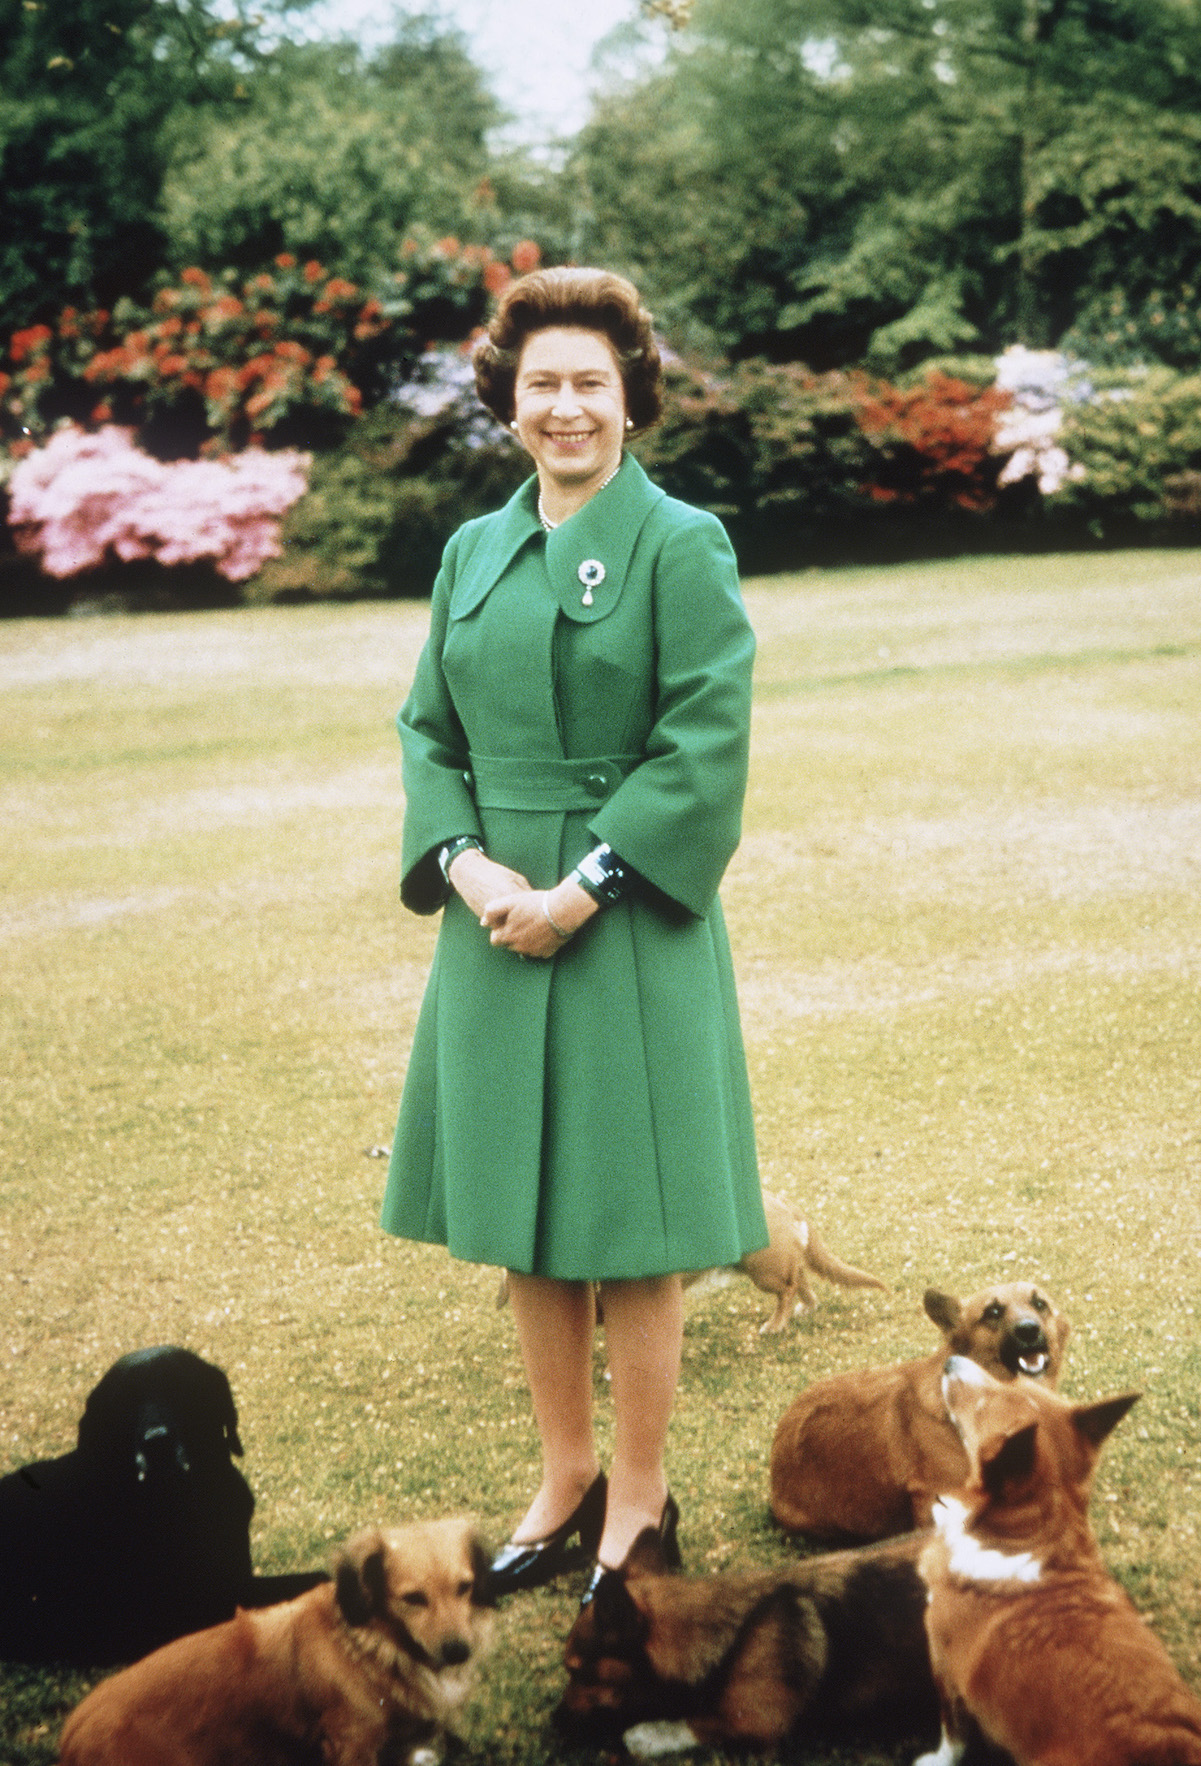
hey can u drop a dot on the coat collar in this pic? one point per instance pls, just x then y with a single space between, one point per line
586 555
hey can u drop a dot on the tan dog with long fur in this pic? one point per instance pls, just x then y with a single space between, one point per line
368 1667
1033 1645
863 1455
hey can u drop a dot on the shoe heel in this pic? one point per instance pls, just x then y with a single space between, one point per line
591 1516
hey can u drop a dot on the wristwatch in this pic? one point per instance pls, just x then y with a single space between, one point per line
450 852
605 877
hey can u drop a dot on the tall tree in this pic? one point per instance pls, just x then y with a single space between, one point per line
334 154
85 89
839 179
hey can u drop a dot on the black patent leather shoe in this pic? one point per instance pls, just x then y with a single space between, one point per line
537 1561
669 1548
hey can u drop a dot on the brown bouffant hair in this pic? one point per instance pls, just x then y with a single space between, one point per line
596 300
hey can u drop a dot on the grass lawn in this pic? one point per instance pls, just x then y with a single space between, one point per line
966 918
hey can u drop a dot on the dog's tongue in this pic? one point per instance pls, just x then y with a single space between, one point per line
1033 1364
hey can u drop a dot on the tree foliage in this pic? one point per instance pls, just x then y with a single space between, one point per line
374 144
839 181
86 89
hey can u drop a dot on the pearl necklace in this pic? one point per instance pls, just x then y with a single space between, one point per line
545 519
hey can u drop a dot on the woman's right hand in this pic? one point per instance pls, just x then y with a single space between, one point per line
479 879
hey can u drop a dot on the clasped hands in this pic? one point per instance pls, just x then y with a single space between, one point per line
513 912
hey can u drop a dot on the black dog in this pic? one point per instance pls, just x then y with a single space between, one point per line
142 1532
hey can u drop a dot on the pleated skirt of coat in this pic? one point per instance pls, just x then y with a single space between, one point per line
588 1117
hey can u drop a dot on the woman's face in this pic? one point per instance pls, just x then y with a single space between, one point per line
570 406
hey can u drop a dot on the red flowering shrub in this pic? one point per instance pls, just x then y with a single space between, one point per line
285 357
933 442
526 256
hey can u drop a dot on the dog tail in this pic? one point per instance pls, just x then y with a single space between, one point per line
823 1262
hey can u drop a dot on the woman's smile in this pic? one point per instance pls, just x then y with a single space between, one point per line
570 413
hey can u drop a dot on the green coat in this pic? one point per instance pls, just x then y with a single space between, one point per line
587 1117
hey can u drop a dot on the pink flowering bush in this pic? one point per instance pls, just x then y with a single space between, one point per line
84 498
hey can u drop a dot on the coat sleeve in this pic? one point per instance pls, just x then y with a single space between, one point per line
677 818
438 800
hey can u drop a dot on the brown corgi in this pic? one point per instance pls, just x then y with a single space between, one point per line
863 1455
1035 1648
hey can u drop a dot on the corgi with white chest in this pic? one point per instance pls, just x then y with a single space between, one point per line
1035 1648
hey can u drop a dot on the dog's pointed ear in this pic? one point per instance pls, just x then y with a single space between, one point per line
1096 1421
645 1557
1007 1457
944 1309
360 1579
616 1613
481 1566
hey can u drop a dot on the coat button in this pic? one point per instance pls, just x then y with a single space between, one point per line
596 784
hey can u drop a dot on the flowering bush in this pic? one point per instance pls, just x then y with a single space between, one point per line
287 355
1136 448
787 456
85 497
1039 382
1113 445
933 442
382 505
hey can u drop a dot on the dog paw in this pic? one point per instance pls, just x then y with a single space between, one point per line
949 1754
652 1741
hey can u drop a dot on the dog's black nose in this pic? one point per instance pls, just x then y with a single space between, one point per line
1029 1333
455 1651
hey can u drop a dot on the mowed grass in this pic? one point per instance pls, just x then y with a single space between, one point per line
966 918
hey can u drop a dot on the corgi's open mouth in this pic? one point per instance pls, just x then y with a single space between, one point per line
1024 1349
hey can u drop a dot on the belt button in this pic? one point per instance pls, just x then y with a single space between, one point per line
596 784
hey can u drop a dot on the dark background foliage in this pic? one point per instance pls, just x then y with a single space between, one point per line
827 204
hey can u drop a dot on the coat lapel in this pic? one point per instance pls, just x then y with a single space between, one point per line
587 557
500 538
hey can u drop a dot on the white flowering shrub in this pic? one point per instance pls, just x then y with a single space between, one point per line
1040 383
442 386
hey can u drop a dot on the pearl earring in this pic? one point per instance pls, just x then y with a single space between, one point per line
629 423
513 424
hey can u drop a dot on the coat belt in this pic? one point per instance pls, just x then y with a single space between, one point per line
518 782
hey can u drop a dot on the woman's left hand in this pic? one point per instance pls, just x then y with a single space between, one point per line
518 922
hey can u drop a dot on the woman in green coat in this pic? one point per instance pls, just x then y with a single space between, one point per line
576 1108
